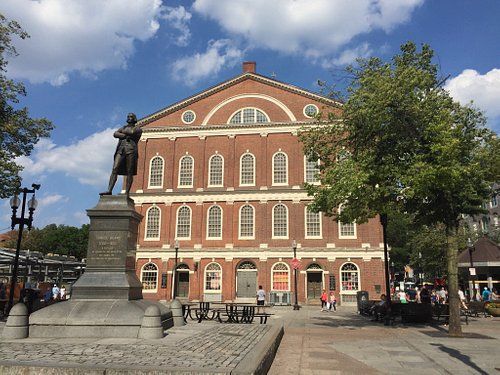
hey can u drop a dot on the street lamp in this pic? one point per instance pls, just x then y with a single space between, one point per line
15 202
471 248
174 274
295 265
383 221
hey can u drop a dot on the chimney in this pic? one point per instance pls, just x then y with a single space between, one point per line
249 66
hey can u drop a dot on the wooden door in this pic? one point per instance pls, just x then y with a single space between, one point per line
314 285
183 284
247 284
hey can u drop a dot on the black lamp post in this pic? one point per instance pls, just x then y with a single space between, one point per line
296 304
383 221
15 202
471 248
174 274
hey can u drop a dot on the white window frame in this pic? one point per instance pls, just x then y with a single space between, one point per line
241 169
210 170
353 291
272 277
146 238
307 105
317 182
212 291
240 237
286 169
177 236
320 236
142 273
188 122
162 172
352 237
255 116
287 222
221 222
179 174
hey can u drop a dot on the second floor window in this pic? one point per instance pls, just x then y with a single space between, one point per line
280 221
156 172
311 171
246 222
153 223
183 222
280 169
214 225
313 224
247 170
186 171
215 171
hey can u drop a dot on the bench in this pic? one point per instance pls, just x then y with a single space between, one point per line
241 314
413 312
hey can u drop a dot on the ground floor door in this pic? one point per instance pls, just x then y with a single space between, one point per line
183 284
314 285
246 284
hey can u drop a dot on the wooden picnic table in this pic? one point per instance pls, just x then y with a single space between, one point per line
243 313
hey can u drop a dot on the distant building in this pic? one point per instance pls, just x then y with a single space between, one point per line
223 172
487 223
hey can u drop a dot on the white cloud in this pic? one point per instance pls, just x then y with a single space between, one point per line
314 28
193 68
178 19
48 200
482 89
85 36
348 56
88 160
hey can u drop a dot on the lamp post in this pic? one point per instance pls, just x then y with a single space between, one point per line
174 274
15 202
471 248
295 266
383 221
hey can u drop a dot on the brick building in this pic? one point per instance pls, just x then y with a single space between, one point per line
223 172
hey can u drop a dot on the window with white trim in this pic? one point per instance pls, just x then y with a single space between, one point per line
311 172
156 172
280 277
186 171
280 169
183 228
310 110
247 169
313 224
216 170
149 277
280 221
347 230
214 223
248 116
247 221
153 223
213 277
349 277
188 117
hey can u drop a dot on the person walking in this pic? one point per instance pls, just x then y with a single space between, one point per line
461 295
324 300
261 298
333 302
55 292
486 294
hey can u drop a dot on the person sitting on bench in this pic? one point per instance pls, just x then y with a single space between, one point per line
378 310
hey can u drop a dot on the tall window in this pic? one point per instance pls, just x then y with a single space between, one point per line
156 172
311 171
313 224
349 276
347 230
246 221
153 223
149 276
248 116
280 221
247 169
280 169
213 277
186 171
214 224
215 171
280 277
183 229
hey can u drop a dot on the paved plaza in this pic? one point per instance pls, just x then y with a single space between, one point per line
314 342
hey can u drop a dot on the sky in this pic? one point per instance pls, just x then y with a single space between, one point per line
90 62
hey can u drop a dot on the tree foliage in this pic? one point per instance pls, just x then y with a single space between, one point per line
18 131
403 145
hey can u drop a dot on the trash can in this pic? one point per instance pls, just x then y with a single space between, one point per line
362 299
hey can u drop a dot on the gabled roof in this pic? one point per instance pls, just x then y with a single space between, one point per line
486 253
231 82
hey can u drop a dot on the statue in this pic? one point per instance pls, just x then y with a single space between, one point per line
126 154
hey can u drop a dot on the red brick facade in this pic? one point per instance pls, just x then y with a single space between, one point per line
166 135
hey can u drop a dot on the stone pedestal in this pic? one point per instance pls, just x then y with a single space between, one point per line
107 299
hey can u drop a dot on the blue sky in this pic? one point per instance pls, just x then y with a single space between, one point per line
90 62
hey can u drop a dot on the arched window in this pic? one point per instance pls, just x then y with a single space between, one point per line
280 277
213 277
149 277
216 171
247 169
153 223
186 171
280 221
248 116
214 223
247 222
313 224
349 277
247 265
183 229
280 169
156 172
311 170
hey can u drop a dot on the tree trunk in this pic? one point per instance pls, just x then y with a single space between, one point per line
455 328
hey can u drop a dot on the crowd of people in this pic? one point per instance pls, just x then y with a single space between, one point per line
440 295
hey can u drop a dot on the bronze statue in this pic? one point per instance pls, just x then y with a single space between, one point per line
126 154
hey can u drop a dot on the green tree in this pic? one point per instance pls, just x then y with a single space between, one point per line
18 131
403 145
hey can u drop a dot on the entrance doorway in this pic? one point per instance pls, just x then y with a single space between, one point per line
314 285
246 276
183 281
